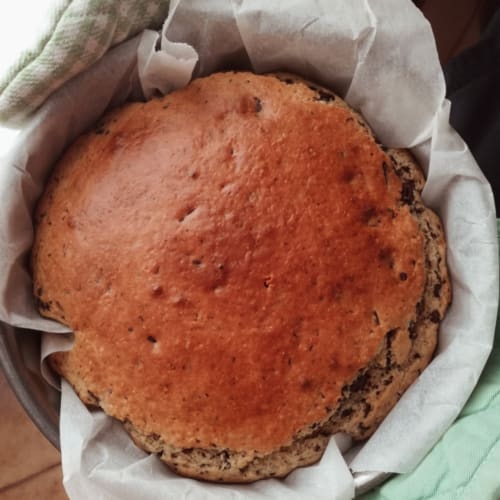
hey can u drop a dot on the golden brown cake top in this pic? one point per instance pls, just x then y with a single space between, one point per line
229 256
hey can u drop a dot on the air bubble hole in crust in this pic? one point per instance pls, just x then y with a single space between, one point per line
187 211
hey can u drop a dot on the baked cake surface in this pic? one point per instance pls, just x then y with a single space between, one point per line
246 271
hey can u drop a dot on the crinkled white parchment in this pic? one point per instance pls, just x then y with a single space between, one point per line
381 57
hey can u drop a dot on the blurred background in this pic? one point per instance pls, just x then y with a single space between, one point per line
29 465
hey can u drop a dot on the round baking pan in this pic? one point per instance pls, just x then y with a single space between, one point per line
19 355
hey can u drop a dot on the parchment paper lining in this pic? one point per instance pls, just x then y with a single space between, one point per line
381 57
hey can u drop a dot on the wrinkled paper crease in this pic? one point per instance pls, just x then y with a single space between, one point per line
381 57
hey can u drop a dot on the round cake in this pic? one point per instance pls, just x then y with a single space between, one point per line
246 270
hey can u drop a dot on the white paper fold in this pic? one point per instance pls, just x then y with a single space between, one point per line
116 469
379 55
170 66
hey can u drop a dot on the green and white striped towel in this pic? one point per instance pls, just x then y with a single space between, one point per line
464 463
80 33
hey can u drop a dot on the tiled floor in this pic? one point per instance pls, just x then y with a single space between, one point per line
29 465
